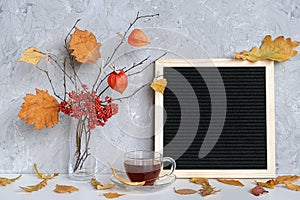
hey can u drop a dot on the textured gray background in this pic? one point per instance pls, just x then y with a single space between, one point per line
190 29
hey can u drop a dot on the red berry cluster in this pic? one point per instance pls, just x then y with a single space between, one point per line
90 105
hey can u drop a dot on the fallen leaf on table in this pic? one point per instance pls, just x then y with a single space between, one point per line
199 180
37 187
85 46
124 181
278 50
269 184
40 110
4 181
65 189
185 191
258 190
207 190
32 56
292 186
230 182
43 176
138 38
112 195
159 85
118 81
287 179
100 186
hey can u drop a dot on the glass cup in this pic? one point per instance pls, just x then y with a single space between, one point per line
146 166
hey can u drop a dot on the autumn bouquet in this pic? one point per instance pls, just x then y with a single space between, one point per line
87 104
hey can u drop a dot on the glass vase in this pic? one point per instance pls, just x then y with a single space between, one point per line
82 165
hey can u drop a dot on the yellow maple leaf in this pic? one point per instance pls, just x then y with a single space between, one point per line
279 50
159 85
32 56
85 46
40 110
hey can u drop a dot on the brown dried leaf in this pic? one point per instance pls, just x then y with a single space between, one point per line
124 181
287 179
230 182
4 181
138 38
99 186
43 176
85 46
32 56
37 187
199 180
112 195
65 189
207 190
292 186
278 50
269 184
159 85
185 191
40 109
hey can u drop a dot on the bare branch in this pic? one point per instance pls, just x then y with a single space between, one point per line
131 95
50 81
135 65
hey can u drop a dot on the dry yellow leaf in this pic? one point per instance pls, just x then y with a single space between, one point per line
269 184
65 189
99 186
207 190
40 109
138 38
199 180
37 187
185 191
85 46
32 56
112 195
124 181
4 181
292 186
287 179
43 176
230 182
279 50
159 85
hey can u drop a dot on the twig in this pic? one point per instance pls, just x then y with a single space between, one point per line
135 65
131 95
98 76
50 81
59 66
147 65
109 59
65 86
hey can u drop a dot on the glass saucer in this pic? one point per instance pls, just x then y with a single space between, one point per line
158 185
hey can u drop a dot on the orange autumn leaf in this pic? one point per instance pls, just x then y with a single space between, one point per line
230 182
269 184
112 195
279 50
138 38
199 180
5 181
185 191
40 109
85 46
207 189
292 186
37 187
65 189
287 179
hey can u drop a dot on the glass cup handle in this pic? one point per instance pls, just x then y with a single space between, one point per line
173 166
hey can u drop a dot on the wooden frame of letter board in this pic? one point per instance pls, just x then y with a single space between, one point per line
217 173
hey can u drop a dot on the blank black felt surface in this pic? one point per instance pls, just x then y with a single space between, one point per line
242 144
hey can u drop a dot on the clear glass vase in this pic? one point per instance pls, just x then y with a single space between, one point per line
82 165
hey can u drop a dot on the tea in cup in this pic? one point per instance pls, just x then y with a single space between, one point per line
146 166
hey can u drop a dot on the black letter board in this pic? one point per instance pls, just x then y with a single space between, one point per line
216 117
